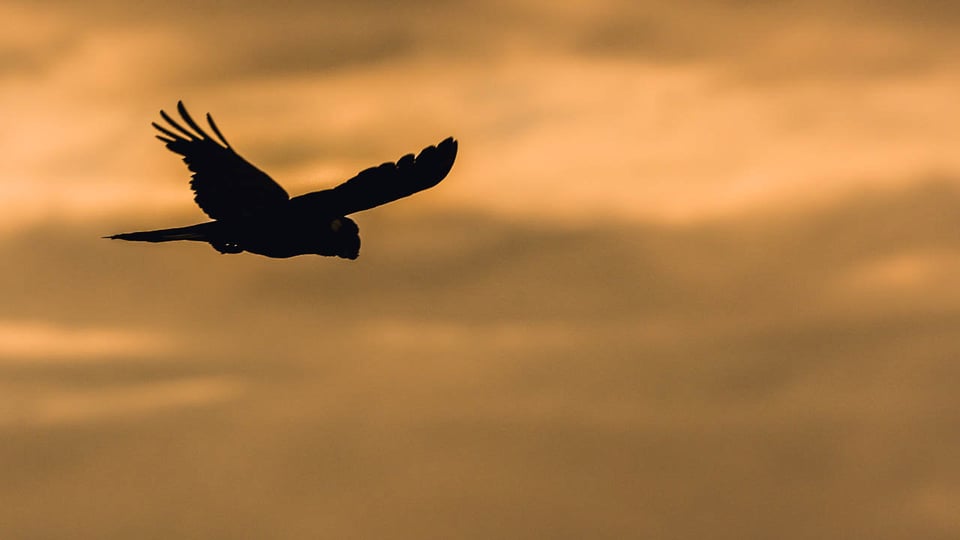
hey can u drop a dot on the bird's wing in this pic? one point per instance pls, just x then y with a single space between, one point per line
385 183
225 185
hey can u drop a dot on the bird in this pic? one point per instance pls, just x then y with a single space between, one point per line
251 212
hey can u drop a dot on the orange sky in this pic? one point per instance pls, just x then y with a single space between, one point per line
623 109
691 276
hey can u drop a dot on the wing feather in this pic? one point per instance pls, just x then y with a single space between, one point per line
225 185
216 131
384 183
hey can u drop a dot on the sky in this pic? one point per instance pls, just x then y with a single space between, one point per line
692 274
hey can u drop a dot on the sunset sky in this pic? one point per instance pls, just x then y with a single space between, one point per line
626 110
693 274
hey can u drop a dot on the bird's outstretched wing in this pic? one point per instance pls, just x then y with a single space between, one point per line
385 183
226 186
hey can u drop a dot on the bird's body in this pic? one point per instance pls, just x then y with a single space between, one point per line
276 234
253 213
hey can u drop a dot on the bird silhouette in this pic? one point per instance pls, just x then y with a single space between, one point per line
253 213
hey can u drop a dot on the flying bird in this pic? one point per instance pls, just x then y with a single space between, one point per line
251 212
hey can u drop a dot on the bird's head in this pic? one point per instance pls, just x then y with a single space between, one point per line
344 235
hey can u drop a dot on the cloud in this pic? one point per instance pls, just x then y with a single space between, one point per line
469 361
71 406
695 261
253 40
42 342
333 34
541 139
642 111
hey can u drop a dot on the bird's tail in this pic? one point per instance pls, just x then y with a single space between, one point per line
199 232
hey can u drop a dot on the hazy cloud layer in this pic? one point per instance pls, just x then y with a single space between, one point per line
692 274
257 38
42 341
642 110
772 375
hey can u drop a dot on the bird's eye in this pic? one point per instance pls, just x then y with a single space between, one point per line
335 225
